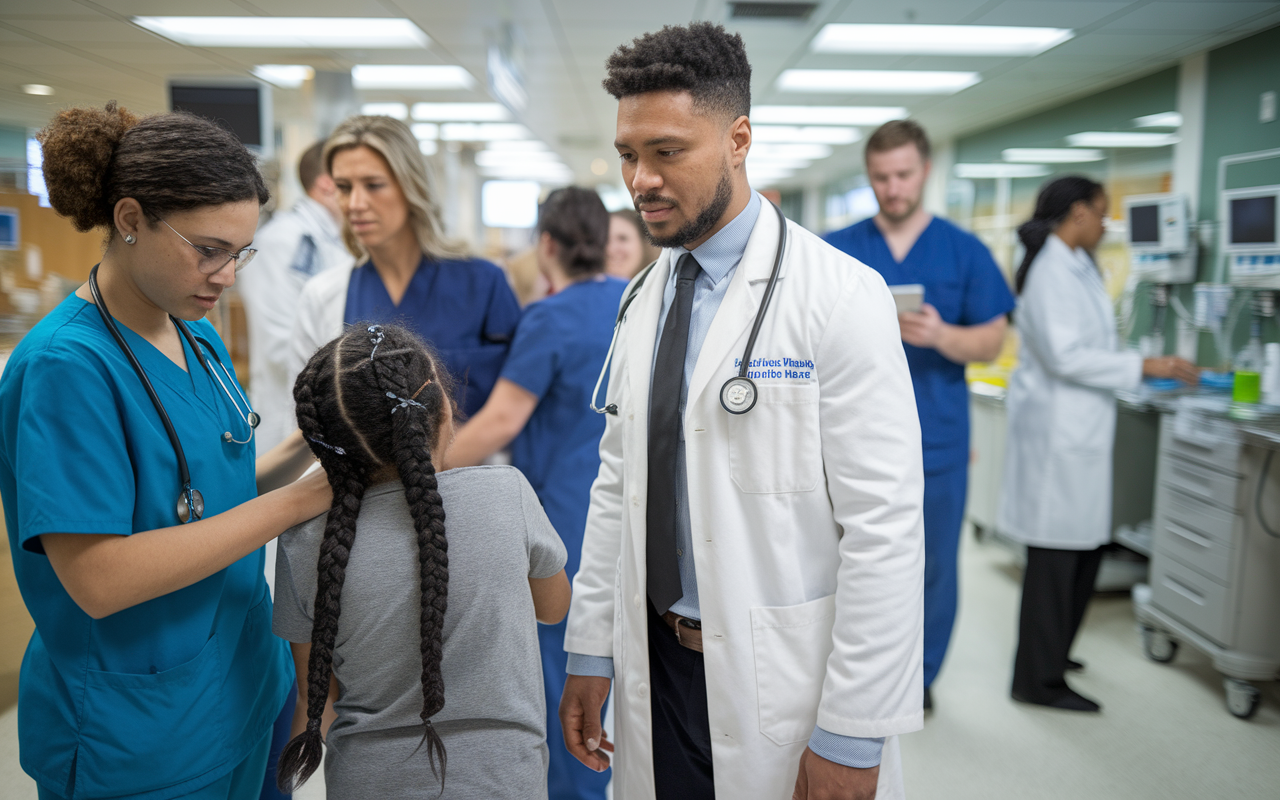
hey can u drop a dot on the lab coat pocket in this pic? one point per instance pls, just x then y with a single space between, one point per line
791 645
144 732
776 446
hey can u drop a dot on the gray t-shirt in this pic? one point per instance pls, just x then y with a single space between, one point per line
493 723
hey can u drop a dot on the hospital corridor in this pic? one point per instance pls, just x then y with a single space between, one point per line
694 399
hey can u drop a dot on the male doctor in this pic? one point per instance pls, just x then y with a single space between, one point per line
751 582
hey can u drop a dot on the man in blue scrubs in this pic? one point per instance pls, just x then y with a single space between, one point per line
962 319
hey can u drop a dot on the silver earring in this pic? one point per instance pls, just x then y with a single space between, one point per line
129 238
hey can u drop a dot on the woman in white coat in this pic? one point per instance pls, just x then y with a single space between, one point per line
1056 494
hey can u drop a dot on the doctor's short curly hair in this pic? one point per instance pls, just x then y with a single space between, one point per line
700 58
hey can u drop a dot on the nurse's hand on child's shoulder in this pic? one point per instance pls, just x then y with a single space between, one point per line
311 495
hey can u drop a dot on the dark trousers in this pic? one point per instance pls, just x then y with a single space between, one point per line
681 730
944 494
1056 587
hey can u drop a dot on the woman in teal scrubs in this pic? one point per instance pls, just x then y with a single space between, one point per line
541 407
152 672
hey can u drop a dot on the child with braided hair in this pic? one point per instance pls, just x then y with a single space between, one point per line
431 636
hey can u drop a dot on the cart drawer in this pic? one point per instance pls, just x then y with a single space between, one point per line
1212 442
1208 484
1199 601
1194 513
1191 547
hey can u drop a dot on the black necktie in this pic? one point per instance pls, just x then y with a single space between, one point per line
664 441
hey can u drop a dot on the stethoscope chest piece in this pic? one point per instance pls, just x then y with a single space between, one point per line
254 419
188 501
738 395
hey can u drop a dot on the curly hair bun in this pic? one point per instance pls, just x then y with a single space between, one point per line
78 146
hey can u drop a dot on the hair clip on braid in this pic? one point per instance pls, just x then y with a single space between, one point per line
326 445
405 402
378 336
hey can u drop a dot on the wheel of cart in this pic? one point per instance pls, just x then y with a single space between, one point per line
1159 646
1243 698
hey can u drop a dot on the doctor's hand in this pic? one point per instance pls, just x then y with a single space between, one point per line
923 328
1171 367
820 779
310 496
584 696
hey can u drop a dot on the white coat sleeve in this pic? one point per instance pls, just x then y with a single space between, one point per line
871 452
1052 319
309 332
590 627
265 288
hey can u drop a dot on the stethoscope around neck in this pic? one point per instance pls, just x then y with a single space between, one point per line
190 505
738 394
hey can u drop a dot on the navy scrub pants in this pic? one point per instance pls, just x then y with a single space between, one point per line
567 777
944 496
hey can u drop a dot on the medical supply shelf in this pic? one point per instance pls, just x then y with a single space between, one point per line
1215 570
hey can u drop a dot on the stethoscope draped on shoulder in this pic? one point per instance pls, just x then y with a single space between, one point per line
190 505
738 394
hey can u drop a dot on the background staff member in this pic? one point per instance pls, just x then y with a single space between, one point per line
787 539
539 407
152 670
1056 494
293 247
963 319
409 272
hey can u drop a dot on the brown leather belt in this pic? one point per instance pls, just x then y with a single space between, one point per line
688 631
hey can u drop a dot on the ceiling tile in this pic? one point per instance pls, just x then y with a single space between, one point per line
1044 13
936 12
100 30
1193 17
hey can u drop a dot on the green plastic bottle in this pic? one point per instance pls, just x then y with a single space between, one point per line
1247 387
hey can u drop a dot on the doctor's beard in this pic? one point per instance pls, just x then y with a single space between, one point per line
697 227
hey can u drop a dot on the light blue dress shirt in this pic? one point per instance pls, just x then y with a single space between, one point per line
719 257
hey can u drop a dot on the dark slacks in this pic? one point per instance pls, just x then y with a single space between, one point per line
1056 587
681 730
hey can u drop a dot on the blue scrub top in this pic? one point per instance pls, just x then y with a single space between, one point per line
464 308
962 281
559 349
163 698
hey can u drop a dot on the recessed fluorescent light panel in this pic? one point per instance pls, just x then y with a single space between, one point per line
37 88
810 152
482 131
756 162
346 33
545 173
460 112
394 110
827 115
820 134
1116 139
875 81
517 146
397 76
428 147
1169 119
509 204
425 130
286 76
1052 155
1001 170
502 158
951 40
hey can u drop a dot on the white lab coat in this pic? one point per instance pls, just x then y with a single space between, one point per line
1061 406
806 521
320 317
293 247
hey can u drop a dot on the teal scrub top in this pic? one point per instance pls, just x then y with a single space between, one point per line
161 699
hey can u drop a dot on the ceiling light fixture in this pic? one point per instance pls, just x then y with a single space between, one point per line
810 152
428 147
482 131
460 112
398 111
517 146
37 88
286 76
346 33
417 76
425 130
813 134
1001 170
1118 139
1051 155
1168 119
504 158
954 40
875 81
827 115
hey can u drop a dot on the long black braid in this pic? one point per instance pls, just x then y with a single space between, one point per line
372 399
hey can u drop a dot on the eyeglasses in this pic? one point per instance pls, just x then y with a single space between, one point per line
213 259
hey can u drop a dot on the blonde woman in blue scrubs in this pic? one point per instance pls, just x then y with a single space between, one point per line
152 672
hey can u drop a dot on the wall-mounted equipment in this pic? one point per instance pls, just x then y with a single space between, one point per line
241 106
1162 246
9 238
1251 235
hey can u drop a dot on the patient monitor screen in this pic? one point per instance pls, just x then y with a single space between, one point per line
1144 224
1253 220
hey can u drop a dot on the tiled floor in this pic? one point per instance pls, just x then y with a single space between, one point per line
1164 732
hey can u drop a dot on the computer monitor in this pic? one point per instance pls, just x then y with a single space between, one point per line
241 106
1157 223
1253 221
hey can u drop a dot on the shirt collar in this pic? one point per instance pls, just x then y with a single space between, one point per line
319 216
721 253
